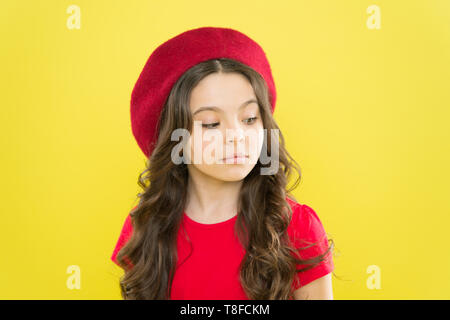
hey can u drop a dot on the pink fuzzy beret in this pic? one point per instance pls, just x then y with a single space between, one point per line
175 56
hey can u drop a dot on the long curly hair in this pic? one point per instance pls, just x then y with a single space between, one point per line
149 258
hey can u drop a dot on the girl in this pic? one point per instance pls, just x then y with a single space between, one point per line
227 228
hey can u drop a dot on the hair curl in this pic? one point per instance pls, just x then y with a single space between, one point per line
149 258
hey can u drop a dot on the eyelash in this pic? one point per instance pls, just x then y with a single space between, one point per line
208 125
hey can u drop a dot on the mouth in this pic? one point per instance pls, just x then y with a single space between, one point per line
236 156
235 159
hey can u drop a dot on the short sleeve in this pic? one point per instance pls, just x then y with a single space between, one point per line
309 233
125 234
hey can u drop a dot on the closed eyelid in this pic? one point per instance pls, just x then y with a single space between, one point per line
248 120
217 109
209 119
219 121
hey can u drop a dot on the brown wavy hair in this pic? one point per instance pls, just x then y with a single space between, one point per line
149 257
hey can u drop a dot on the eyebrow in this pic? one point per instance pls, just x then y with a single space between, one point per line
214 108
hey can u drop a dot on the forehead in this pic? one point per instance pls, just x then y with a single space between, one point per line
224 90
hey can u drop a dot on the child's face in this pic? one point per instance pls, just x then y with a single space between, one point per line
225 130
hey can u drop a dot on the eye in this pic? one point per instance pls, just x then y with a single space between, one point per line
251 120
210 125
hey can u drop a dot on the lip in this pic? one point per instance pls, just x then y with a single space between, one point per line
236 156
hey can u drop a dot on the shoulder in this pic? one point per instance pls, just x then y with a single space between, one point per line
308 235
304 217
305 222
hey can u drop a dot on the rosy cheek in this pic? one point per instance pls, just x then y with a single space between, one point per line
212 141
202 144
196 144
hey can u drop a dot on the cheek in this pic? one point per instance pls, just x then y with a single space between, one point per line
255 138
205 143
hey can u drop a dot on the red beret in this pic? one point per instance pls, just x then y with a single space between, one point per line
175 56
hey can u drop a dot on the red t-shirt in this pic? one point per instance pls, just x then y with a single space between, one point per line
212 269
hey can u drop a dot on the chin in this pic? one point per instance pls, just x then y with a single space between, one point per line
228 172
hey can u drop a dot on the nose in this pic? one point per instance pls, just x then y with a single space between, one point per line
234 133
235 139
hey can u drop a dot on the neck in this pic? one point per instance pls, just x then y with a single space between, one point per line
210 200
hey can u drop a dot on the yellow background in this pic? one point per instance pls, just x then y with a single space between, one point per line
364 111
